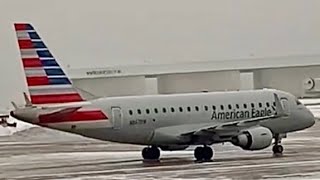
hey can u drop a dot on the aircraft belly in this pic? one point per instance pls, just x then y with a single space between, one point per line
117 135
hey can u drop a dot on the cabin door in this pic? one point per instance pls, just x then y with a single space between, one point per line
116 117
285 106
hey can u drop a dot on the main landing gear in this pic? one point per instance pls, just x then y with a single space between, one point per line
277 148
204 153
151 153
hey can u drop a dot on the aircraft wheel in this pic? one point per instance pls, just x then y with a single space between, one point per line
198 153
277 149
207 153
203 153
151 153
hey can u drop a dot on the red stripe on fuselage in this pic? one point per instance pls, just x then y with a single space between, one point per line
37 81
25 44
74 116
31 62
55 98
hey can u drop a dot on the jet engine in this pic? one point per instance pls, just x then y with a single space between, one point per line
253 139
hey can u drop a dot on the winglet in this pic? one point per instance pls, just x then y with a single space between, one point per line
279 108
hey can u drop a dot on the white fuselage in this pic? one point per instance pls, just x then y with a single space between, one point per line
135 119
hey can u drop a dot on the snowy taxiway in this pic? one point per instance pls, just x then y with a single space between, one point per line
39 153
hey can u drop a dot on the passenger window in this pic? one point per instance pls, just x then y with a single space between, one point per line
229 106
206 108
172 109
237 106
156 110
267 103
196 108
139 111
252 105
245 106
214 108
147 111
130 112
180 109
189 109
164 110
260 105
221 107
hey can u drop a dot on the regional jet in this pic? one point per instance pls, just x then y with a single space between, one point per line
248 119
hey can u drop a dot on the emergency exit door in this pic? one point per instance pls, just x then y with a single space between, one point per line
116 117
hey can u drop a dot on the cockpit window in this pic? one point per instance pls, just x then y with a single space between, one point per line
298 102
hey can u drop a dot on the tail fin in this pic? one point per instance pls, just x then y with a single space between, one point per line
47 82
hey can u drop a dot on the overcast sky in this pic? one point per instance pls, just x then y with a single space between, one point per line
95 33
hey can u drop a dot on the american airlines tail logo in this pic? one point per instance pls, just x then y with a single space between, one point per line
47 82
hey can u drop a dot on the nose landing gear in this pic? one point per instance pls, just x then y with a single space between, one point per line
277 148
203 154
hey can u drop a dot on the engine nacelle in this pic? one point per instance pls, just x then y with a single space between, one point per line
253 139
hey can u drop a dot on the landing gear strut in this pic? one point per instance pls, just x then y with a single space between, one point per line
277 148
203 153
151 153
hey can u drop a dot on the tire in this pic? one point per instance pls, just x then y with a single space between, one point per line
198 153
155 153
152 153
146 153
207 153
277 149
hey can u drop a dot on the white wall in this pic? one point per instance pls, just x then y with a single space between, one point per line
120 86
287 79
197 82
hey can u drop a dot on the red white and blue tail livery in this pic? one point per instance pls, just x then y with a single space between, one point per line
47 82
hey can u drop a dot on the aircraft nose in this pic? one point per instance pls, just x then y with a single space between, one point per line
309 118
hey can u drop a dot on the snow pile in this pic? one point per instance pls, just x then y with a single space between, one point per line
21 126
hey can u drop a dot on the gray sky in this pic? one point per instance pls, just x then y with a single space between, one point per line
99 33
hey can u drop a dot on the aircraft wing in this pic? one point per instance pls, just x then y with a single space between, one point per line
229 126
208 130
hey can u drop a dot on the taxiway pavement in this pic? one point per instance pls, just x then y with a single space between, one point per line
39 153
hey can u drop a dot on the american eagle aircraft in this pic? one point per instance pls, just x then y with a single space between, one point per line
248 119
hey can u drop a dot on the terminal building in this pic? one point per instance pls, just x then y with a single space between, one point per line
299 75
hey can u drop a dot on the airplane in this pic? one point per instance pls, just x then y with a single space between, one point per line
249 119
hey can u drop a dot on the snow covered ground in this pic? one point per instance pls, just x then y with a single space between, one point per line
7 131
40 153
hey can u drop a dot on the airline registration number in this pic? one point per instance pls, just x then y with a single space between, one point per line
137 122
